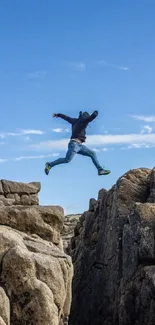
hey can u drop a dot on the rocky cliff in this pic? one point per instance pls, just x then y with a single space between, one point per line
35 273
113 251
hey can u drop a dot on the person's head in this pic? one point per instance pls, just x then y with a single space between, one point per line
83 114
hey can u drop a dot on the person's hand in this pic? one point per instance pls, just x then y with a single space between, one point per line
55 115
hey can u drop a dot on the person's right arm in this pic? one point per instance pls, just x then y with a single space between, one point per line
64 117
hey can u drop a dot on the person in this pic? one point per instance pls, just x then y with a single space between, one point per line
75 145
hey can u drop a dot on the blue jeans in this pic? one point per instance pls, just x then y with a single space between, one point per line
74 148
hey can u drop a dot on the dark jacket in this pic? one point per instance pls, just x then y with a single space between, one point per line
79 124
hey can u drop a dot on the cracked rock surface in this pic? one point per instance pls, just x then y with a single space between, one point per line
113 251
35 273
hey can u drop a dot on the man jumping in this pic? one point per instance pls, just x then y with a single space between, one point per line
75 145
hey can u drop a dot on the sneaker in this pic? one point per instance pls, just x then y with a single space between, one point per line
47 168
103 172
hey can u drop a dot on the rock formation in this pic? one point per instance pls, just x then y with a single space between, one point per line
113 251
35 273
70 223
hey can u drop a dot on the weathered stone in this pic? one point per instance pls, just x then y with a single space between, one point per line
14 197
8 239
29 199
151 197
137 305
67 232
101 194
6 202
134 186
24 199
2 199
2 321
36 274
39 307
20 188
34 199
114 256
46 222
4 307
1 189
92 204
37 278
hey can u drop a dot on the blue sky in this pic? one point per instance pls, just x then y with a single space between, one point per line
67 56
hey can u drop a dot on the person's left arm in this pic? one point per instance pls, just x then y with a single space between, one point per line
91 117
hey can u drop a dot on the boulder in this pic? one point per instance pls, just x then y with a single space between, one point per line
35 273
20 188
36 276
46 222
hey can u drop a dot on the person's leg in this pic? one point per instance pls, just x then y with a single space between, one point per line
85 151
72 150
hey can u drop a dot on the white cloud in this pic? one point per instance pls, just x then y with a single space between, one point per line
60 130
35 157
57 130
78 66
147 129
21 132
106 64
99 150
124 68
2 160
37 74
29 157
50 144
2 136
149 118
140 146
38 132
119 139
98 140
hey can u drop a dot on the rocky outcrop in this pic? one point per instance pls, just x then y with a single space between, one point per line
13 193
35 273
67 233
113 251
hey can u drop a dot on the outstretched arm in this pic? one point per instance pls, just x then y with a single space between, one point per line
92 116
64 117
